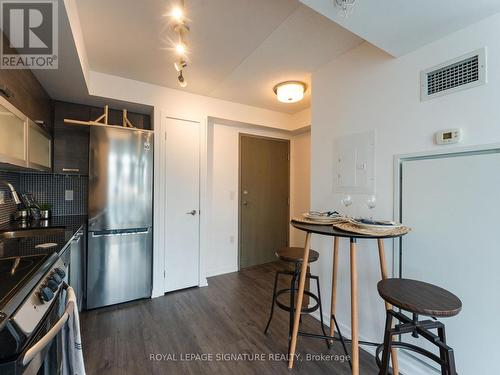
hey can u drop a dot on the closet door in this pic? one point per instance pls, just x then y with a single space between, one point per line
182 219
452 204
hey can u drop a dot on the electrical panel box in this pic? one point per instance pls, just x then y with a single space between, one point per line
354 163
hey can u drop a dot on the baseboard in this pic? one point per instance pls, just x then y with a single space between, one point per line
408 365
156 293
221 271
203 282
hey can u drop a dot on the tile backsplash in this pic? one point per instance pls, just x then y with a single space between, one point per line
46 188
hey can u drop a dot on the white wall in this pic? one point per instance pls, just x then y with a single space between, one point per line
301 119
223 177
179 104
223 181
300 182
367 89
183 105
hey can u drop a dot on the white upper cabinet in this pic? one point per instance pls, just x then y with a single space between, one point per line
13 133
23 144
39 148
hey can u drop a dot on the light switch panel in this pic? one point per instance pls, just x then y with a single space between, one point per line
68 195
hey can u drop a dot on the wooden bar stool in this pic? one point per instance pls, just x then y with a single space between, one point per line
418 298
294 255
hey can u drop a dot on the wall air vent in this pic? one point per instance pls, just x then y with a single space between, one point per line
455 75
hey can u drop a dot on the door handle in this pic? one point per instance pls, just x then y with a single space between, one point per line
193 212
244 203
56 328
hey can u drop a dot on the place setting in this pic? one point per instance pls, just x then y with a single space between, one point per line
359 224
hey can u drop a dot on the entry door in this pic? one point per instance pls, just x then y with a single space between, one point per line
182 229
264 198
452 205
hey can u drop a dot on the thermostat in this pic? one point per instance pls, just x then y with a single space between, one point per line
448 136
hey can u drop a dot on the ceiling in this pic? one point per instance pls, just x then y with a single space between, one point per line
238 49
399 27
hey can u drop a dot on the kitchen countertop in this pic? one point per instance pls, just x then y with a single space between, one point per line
27 246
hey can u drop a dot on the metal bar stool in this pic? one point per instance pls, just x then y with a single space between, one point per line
418 298
294 255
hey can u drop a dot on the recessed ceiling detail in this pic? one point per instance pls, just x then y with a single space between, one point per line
399 27
233 44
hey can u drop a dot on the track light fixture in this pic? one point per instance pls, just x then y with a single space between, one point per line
181 28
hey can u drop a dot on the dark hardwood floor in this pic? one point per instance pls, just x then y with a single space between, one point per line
225 318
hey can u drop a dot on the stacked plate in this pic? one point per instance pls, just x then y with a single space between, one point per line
375 224
322 218
372 227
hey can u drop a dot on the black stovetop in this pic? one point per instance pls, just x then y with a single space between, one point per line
22 262
14 272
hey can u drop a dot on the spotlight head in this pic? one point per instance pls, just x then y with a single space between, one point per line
180 48
177 14
179 65
182 80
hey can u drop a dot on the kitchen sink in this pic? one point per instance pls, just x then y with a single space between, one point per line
42 232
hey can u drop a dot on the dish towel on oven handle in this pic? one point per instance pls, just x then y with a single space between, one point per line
72 363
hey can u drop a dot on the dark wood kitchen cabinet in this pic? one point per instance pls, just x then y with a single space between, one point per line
21 88
71 142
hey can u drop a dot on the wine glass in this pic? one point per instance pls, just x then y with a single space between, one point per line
346 201
371 202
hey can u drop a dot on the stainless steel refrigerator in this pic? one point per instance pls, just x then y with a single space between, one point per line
120 238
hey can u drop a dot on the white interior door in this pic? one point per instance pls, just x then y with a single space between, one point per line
182 220
452 204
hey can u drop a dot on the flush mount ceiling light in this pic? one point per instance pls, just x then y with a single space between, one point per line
181 28
290 91
346 6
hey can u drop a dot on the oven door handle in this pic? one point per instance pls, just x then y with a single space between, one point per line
49 336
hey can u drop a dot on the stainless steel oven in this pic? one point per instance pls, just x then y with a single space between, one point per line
44 355
31 336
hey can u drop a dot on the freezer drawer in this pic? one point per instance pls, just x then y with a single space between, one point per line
119 266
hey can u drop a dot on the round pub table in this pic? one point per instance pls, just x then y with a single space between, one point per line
329 230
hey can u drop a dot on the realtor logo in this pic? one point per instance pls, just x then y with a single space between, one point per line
31 31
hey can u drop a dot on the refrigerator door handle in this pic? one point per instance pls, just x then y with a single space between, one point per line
108 233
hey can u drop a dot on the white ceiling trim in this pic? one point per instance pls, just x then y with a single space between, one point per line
76 30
